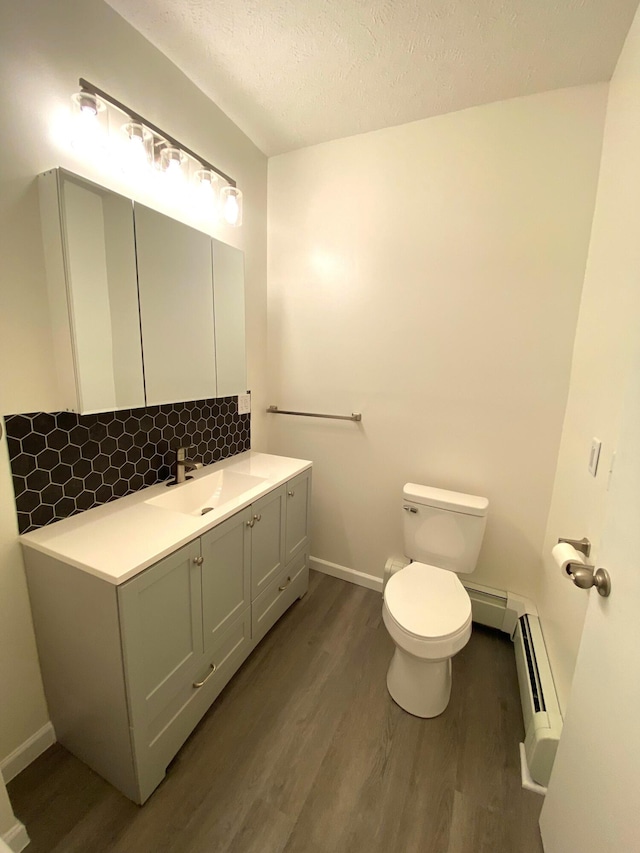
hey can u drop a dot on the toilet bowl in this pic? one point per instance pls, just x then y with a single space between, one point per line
427 613
426 609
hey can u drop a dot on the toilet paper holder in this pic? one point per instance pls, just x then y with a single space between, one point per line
583 545
585 576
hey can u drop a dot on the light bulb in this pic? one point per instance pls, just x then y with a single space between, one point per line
139 148
231 203
89 122
171 161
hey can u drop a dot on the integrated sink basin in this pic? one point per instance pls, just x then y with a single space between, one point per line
197 497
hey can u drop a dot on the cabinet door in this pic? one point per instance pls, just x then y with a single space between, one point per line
161 626
93 291
175 280
298 507
228 296
267 539
226 552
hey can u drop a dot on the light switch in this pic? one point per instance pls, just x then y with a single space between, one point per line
596 444
244 404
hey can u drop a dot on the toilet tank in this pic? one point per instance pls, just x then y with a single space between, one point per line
442 528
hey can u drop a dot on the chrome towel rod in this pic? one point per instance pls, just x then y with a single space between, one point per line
354 416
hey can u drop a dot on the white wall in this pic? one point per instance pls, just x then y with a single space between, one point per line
44 48
429 276
607 328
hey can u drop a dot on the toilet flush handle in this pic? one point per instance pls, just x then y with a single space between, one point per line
409 508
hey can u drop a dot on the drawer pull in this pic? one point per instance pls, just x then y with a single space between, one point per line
251 523
282 588
197 684
291 494
198 561
257 517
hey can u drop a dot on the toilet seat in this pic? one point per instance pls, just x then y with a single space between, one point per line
427 611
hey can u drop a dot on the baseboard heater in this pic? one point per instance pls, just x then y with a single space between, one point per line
540 708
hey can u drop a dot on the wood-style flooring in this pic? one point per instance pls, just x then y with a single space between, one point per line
305 752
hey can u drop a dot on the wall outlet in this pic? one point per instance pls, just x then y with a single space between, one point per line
244 404
594 456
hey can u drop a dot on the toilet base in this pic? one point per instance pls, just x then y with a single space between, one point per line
420 687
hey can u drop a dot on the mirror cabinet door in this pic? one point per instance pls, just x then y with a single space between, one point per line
228 295
175 282
102 296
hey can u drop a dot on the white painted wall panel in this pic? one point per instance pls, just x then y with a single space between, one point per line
429 276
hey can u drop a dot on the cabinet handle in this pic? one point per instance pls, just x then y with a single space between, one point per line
291 494
197 684
257 517
251 523
198 561
282 588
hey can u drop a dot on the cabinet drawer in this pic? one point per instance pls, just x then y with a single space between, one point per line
166 733
269 606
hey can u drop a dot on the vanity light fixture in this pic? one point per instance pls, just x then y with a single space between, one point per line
150 145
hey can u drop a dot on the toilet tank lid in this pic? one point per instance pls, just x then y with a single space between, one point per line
444 499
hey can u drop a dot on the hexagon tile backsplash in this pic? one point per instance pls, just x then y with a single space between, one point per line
64 463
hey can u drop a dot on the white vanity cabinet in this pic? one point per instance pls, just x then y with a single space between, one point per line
129 669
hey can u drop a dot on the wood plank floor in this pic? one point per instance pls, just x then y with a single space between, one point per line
305 752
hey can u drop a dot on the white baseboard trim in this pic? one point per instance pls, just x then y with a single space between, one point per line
16 838
346 574
27 752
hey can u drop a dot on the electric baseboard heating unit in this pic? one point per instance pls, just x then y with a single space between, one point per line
540 708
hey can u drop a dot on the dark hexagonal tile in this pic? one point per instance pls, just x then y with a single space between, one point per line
44 423
79 435
110 476
82 467
127 470
66 421
70 453
85 500
104 493
48 459
33 443
136 482
44 514
65 507
51 493
61 473
58 440
131 425
18 426
27 501
126 442
108 445
38 479
121 487
73 487
118 458
92 481
161 420
101 463
23 464
116 428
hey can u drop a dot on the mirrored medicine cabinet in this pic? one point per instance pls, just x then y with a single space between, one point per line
144 309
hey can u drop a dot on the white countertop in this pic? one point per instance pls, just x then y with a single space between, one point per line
117 540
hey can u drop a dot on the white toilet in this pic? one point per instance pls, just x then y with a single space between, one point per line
426 609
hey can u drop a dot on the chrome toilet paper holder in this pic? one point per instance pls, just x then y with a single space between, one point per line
585 576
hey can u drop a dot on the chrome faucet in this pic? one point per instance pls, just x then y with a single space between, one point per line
182 465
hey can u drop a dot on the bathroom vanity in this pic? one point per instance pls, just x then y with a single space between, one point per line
145 607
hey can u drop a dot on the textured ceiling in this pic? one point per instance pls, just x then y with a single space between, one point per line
293 73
